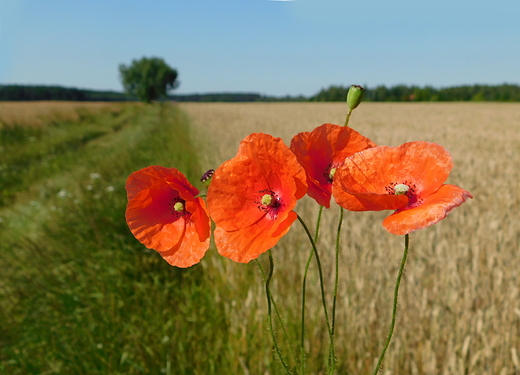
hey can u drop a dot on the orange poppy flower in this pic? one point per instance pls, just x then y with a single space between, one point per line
164 214
251 197
408 179
321 151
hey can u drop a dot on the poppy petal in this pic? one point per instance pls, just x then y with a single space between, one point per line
199 217
262 163
432 209
368 174
369 202
319 150
276 161
251 197
150 215
249 243
150 220
147 177
189 252
231 205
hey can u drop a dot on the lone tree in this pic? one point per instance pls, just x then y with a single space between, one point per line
148 78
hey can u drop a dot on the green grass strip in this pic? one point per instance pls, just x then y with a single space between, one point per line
78 294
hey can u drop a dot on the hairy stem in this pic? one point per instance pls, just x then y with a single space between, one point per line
323 300
348 117
304 286
336 281
269 315
394 311
277 312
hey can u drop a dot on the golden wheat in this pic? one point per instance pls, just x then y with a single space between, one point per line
37 113
459 307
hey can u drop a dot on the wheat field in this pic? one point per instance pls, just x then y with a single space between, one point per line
459 307
40 112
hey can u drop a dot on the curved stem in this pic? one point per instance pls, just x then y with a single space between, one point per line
278 316
269 317
304 286
323 301
318 221
394 311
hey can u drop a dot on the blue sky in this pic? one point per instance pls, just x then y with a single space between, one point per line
270 47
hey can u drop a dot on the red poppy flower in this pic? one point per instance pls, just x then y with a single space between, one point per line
251 197
321 151
164 214
408 179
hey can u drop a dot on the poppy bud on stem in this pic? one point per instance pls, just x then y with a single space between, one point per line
354 97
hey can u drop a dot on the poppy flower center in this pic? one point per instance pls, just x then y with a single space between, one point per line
405 188
401 189
269 202
178 207
267 199
330 171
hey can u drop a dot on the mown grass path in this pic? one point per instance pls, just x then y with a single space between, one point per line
78 294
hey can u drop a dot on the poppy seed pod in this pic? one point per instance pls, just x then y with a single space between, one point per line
355 96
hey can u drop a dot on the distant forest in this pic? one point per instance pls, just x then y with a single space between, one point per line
402 93
399 93
28 93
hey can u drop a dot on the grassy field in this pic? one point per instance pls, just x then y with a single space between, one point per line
78 294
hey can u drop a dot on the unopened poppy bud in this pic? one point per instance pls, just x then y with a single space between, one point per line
355 96
206 177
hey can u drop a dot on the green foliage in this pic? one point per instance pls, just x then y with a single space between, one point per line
36 153
332 94
148 78
78 294
501 93
217 97
28 92
402 93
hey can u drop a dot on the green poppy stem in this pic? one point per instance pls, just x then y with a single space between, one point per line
394 311
304 286
278 316
336 281
323 300
348 117
269 315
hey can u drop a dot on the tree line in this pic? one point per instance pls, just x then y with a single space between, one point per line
29 93
398 93
403 93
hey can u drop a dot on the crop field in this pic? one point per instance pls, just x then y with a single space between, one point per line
43 112
78 294
459 310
